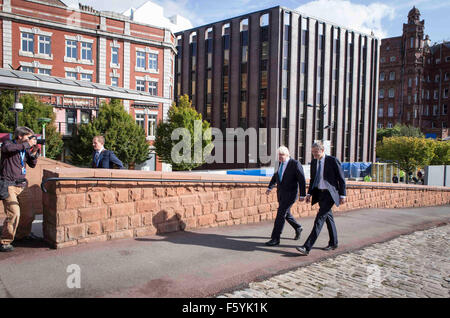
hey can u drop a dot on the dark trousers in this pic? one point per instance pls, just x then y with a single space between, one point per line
324 215
283 214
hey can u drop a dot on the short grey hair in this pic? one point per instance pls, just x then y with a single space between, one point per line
318 145
100 139
283 150
22 131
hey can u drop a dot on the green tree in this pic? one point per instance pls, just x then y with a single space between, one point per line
399 130
122 135
183 115
441 153
33 109
407 152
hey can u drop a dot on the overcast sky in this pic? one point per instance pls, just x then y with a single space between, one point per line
384 17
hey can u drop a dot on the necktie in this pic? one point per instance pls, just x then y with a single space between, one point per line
317 178
280 171
97 156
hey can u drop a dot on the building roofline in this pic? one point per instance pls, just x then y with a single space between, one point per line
105 14
281 8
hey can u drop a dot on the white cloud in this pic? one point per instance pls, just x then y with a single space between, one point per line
362 18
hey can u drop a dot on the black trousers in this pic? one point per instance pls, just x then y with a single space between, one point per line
324 215
283 214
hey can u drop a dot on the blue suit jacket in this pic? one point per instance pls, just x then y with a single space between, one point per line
293 181
106 160
333 177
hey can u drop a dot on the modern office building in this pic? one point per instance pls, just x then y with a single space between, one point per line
414 80
278 68
105 50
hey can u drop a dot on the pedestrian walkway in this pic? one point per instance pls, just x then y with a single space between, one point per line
415 265
202 262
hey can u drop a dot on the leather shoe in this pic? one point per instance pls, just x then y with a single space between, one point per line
6 248
330 247
29 238
273 242
298 231
302 250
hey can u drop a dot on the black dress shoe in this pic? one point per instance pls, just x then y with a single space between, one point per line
302 250
298 231
29 238
273 242
330 247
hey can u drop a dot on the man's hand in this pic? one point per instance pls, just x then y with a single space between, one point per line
342 200
308 198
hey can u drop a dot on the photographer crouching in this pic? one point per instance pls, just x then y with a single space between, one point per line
16 155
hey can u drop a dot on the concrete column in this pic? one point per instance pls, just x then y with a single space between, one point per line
293 87
102 61
126 64
7 43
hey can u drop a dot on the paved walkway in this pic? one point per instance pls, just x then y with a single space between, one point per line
415 265
208 262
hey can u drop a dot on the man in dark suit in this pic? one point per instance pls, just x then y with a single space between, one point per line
289 180
327 186
102 158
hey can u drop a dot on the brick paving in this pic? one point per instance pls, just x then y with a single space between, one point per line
414 265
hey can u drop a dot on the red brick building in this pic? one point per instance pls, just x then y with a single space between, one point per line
49 38
414 80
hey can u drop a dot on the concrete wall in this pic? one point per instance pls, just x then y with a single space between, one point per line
78 212
437 175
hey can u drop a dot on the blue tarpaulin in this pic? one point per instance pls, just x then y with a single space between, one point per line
253 172
356 169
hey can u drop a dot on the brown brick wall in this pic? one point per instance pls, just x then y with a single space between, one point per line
81 212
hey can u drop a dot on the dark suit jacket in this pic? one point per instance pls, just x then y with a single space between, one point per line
106 160
333 176
293 181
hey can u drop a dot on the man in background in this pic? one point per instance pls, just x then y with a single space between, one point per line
102 158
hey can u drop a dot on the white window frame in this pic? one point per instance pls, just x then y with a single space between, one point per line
68 73
152 118
142 85
27 69
392 59
380 112
153 85
73 47
390 110
115 54
381 93
27 39
86 77
435 110
44 71
140 60
46 41
153 62
116 80
381 76
140 120
86 49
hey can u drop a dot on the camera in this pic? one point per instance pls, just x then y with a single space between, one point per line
38 141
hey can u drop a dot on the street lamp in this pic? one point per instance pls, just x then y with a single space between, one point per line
44 122
322 127
17 107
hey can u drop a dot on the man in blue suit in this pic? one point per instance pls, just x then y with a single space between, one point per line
289 180
327 186
102 158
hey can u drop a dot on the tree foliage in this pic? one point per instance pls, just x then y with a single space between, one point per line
441 153
33 109
183 115
407 152
399 130
122 135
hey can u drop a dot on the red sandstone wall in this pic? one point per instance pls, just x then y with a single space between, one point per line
84 211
